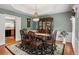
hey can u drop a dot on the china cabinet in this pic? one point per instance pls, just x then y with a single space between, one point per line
45 25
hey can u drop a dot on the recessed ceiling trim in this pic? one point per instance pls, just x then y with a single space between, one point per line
43 8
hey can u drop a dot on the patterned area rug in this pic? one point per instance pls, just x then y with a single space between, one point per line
23 50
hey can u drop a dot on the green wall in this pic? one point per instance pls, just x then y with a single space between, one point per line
78 22
4 11
62 21
78 28
24 24
23 17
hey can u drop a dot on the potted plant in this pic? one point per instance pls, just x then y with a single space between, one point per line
64 36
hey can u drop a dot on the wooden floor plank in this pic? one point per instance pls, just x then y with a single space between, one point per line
10 40
4 51
68 50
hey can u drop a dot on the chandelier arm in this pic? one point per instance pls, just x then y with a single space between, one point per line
35 18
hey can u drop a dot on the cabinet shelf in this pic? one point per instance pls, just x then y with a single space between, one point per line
45 25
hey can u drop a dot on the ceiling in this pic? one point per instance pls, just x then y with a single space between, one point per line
42 9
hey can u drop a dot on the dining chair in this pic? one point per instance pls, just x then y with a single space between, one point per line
52 42
54 39
22 36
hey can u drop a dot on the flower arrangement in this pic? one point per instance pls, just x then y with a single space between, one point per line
64 33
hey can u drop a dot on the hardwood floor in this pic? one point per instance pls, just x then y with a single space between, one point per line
10 40
68 50
4 51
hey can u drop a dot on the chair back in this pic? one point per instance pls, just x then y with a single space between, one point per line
25 31
31 35
54 37
22 34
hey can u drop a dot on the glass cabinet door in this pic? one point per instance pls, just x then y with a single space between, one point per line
45 24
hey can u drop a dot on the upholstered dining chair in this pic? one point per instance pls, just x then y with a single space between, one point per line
22 36
54 37
31 35
28 37
35 41
54 40
25 31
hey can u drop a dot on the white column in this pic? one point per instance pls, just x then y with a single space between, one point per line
18 28
73 31
2 29
78 28
76 40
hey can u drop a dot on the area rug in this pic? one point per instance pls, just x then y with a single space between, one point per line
21 50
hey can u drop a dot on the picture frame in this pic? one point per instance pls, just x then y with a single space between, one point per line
28 22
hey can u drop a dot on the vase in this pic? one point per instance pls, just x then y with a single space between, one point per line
64 40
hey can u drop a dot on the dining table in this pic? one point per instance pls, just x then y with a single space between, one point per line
42 34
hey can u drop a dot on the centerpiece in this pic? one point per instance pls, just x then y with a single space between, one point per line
64 36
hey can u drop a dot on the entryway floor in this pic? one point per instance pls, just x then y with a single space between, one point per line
10 40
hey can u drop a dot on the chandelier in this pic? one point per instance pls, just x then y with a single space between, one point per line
35 16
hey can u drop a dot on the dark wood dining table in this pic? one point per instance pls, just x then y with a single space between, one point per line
41 37
42 34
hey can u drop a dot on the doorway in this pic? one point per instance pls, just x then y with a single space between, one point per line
10 32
